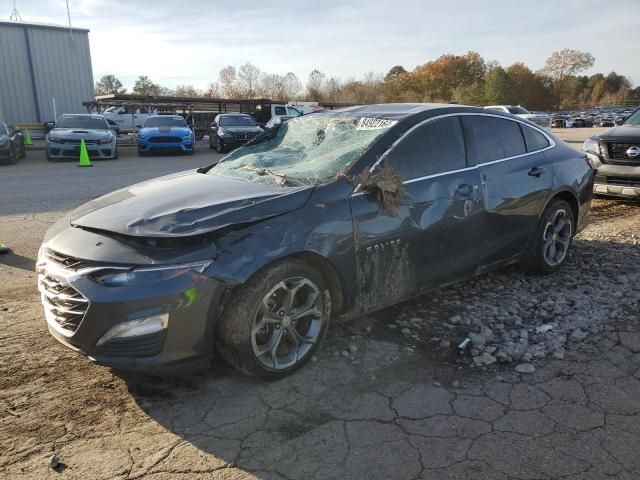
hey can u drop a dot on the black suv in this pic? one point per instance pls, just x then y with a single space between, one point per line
230 130
616 157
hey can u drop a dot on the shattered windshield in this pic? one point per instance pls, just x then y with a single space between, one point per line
305 150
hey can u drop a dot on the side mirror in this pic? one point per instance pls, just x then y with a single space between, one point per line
49 125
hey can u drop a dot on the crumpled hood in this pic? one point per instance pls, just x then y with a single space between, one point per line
152 131
78 133
186 204
623 133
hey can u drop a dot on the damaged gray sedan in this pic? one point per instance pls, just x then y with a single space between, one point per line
327 216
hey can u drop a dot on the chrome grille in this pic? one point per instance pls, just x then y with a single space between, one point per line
69 262
62 303
616 152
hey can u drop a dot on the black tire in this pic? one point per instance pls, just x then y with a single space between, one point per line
220 146
210 144
13 156
115 156
237 338
537 259
199 134
142 154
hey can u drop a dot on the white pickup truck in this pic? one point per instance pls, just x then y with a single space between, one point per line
541 119
126 119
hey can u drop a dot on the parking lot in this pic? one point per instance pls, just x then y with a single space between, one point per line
389 395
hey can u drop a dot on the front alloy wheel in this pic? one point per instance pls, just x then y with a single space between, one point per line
274 322
288 323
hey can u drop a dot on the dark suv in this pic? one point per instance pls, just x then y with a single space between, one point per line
616 157
230 130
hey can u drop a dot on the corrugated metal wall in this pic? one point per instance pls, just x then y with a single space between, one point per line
39 63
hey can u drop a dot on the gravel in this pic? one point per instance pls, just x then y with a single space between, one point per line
510 316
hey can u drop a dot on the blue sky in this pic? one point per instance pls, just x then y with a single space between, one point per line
189 41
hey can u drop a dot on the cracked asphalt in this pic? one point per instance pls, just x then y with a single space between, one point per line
374 404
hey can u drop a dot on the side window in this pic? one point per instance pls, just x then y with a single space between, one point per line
492 138
534 139
280 110
435 147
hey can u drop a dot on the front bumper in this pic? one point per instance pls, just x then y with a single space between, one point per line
180 145
190 300
616 180
71 151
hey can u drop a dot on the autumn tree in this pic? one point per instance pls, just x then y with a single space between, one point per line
562 67
316 85
291 86
109 85
228 81
436 80
248 77
530 90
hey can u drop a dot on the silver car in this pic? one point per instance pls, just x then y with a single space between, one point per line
63 140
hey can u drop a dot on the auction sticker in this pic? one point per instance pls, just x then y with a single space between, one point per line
366 123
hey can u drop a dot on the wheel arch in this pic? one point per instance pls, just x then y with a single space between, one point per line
313 260
568 196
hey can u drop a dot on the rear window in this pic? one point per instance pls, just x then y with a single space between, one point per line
490 138
534 139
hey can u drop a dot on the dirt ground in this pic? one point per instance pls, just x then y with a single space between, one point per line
377 402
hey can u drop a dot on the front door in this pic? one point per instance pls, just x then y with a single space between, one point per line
429 235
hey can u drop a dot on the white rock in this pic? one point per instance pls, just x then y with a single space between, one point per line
525 368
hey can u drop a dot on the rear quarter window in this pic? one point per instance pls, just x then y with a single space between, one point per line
534 139
491 138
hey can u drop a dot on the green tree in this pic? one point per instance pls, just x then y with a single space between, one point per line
498 87
394 72
109 85
145 86
562 67
186 91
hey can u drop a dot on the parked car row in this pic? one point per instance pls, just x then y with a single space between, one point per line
591 118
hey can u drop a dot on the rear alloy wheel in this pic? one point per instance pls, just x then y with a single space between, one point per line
276 321
554 237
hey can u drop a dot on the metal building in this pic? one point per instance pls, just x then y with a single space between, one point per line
45 71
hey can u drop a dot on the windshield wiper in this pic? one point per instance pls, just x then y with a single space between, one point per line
279 178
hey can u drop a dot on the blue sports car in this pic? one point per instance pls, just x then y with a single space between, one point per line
165 133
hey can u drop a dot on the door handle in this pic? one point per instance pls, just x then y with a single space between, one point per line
536 172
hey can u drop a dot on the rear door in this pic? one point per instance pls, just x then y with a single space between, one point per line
429 237
517 178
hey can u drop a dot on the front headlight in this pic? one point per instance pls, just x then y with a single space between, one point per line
53 139
105 141
591 145
144 275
